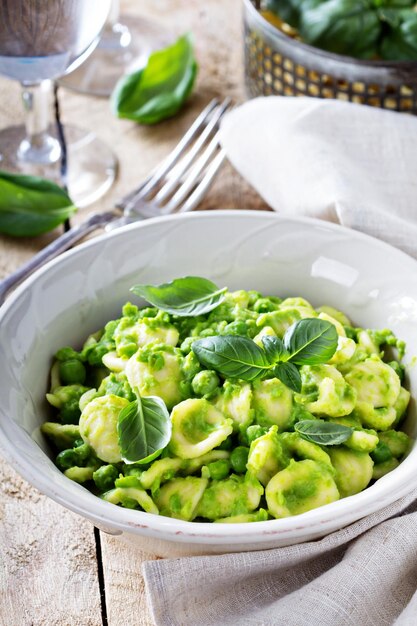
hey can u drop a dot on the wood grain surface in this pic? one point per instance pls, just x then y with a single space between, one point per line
49 571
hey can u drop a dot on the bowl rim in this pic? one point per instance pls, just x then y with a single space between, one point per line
385 491
312 50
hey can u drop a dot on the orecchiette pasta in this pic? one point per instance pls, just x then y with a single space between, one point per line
237 452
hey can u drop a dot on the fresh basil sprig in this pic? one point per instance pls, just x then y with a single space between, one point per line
158 90
289 375
274 348
232 356
187 297
143 429
30 205
308 342
311 341
323 433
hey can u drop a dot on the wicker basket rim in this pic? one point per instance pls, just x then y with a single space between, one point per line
274 31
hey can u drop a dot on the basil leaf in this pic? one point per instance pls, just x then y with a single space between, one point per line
400 42
30 205
290 11
143 429
274 349
323 433
158 90
311 341
289 375
342 26
186 297
232 356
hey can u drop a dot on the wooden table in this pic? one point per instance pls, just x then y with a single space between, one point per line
55 568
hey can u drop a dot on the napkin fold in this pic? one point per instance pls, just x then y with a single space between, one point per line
362 575
344 162
358 166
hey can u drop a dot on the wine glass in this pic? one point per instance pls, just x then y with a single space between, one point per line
125 44
39 42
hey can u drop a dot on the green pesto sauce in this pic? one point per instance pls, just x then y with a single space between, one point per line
196 428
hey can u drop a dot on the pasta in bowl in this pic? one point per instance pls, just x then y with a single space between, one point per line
251 253
201 413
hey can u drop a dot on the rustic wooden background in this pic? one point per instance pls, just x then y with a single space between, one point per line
55 568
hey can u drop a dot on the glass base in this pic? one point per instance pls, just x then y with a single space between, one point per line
92 166
122 50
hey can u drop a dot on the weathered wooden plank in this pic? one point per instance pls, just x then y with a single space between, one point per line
48 568
124 586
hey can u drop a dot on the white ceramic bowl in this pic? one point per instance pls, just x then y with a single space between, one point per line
76 294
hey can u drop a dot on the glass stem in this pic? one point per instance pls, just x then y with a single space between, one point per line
38 147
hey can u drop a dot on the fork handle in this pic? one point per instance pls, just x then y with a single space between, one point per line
55 248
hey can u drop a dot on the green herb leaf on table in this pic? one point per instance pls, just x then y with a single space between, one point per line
144 429
274 348
323 433
311 341
30 205
186 297
232 356
158 90
289 375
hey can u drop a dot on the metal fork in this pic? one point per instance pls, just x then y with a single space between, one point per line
176 185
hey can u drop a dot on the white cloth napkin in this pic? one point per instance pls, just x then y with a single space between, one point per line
334 160
358 166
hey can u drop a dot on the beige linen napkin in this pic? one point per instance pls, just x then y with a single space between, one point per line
363 575
358 166
334 160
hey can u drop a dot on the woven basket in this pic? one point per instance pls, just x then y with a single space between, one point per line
276 64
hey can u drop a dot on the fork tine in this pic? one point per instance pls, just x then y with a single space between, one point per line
162 169
189 158
145 209
185 189
204 184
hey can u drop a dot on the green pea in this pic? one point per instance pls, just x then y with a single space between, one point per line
70 412
72 372
190 365
239 458
74 456
205 382
381 453
186 344
67 353
255 431
105 476
219 469
264 305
